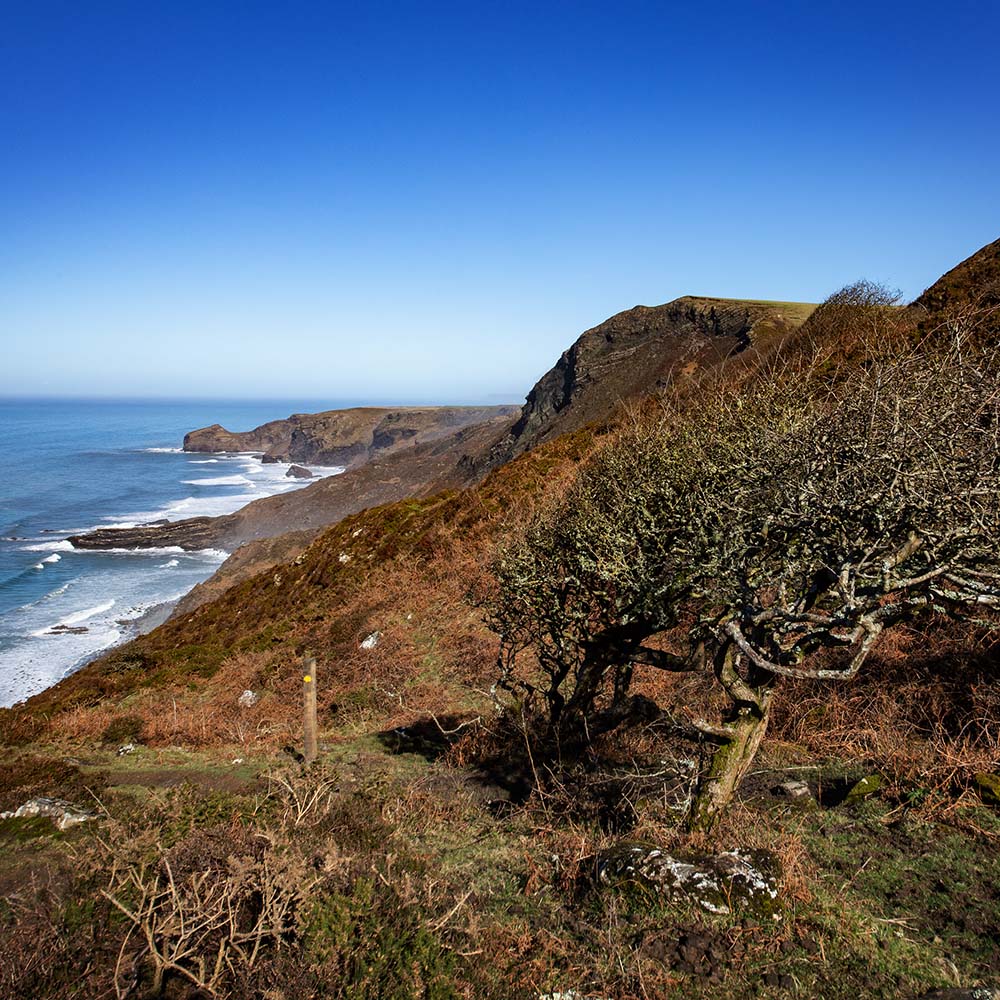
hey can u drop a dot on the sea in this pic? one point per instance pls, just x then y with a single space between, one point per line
67 466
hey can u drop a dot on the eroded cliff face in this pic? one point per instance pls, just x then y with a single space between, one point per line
634 354
345 437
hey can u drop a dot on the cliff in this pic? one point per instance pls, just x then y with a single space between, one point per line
344 437
638 352
392 474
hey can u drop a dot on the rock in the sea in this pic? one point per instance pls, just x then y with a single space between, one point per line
717 883
247 699
298 472
988 786
270 459
371 641
63 814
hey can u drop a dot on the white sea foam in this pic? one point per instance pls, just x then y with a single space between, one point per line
212 555
38 566
54 558
204 461
61 545
76 618
219 481
162 451
169 564
153 550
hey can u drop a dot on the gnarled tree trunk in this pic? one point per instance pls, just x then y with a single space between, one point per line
738 741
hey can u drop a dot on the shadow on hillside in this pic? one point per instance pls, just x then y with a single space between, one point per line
505 780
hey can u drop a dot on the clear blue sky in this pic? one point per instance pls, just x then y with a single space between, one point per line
421 201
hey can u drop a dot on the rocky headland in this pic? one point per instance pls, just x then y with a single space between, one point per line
344 437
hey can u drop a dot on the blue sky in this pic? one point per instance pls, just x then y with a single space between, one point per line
422 201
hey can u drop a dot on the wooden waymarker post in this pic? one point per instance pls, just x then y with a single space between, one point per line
310 747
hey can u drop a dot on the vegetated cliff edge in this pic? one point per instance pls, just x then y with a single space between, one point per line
637 352
344 437
972 285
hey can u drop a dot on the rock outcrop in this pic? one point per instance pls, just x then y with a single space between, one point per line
298 472
190 534
634 354
717 883
344 437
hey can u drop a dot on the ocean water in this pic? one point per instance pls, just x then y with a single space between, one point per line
67 466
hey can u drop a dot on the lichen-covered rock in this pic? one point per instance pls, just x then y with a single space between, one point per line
796 792
63 814
371 641
988 786
975 993
718 883
248 699
863 789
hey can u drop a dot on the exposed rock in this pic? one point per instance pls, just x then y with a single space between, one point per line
716 882
417 471
247 699
973 993
636 352
125 749
190 534
298 472
988 786
63 814
863 789
796 792
344 437
270 459
371 641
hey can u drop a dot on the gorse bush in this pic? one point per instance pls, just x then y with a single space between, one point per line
784 524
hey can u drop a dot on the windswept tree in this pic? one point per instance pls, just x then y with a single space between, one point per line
789 522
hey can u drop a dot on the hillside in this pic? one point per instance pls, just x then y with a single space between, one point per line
973 284
637 353
411 452
433 851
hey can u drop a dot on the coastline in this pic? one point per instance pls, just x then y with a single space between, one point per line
149 620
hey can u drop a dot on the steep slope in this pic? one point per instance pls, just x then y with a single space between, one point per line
345 437
973 284
638 352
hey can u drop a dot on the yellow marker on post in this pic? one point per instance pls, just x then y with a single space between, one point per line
310 741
